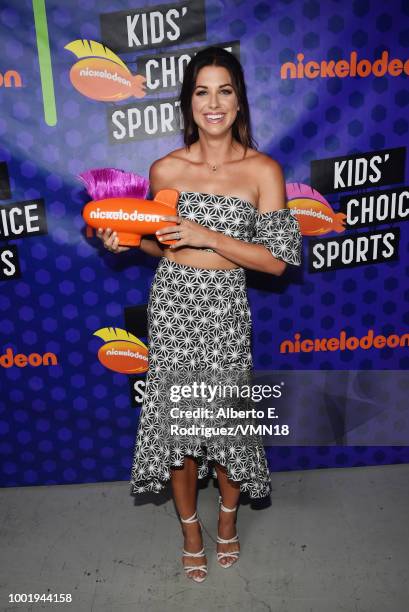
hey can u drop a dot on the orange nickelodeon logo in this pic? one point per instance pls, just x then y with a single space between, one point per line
351 67
343 342
101 75
123 352
313 212
11 78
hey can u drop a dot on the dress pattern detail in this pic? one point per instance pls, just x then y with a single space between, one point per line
277 230
231 215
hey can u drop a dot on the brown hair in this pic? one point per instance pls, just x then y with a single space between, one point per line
216 56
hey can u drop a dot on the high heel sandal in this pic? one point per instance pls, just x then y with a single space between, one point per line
234 553
201 553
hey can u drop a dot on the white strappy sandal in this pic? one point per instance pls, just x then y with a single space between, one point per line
201 553
234 553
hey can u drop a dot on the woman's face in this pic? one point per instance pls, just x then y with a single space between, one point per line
214 101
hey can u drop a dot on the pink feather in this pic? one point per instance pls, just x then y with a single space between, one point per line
104 183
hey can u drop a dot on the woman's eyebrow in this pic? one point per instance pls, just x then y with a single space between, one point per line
205 86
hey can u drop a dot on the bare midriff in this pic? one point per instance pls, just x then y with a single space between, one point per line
198 258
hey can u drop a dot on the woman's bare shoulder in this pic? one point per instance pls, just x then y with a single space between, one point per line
263 160
172 157
164 169
265 171
169 161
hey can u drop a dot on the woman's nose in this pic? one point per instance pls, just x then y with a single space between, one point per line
214 101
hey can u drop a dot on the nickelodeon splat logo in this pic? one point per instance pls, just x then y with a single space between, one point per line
312 211
10 78
122 352
101 75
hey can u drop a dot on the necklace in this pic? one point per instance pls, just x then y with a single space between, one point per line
213 167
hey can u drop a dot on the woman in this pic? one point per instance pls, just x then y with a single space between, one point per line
231 216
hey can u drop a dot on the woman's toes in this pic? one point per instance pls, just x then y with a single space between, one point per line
198 574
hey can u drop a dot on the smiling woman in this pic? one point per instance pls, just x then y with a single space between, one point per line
232 216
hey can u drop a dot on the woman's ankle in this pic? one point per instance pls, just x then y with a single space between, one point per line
192 531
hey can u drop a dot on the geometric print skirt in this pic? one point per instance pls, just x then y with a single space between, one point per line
199 362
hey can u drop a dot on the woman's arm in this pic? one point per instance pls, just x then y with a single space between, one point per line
151 246
247 255
157 180
272 197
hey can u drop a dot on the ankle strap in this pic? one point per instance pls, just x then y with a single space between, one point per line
191 519
201 553
224 507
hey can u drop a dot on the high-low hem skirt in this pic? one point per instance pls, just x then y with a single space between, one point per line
199 338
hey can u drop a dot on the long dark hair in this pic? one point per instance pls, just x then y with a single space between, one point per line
216 56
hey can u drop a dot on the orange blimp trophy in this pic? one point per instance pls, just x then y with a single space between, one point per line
119 202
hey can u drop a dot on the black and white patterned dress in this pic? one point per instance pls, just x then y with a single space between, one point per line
199 331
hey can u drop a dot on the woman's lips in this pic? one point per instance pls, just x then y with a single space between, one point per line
214 117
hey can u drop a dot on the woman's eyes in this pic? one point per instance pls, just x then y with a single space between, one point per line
227 91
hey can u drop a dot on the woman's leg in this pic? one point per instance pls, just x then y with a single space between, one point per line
230 492
184 487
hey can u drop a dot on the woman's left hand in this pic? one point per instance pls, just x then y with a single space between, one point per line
186 232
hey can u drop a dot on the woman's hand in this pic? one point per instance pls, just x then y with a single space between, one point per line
111 240
186 232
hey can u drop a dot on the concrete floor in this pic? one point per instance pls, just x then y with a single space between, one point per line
333 540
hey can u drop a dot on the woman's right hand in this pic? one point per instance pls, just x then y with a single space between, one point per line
111 240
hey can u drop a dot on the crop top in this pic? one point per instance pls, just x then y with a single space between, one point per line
277 230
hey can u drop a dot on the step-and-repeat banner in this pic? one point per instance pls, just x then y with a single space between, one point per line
87 84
